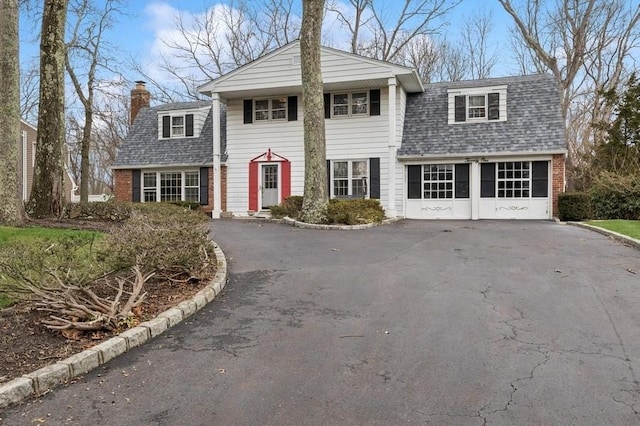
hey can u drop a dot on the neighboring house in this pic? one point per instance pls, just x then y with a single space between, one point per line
28 136
476 149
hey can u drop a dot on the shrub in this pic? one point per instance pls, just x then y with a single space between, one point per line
616 197
162 238
104 210
354 211
290 207
574 206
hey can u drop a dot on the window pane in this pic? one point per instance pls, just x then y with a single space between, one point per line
170 186
279 109
149 180
359 169
192 194
191 179
177 126
341 104
438 181
359 103
262 110
340 169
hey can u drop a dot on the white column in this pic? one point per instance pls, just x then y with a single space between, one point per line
217 175
474 182
391 179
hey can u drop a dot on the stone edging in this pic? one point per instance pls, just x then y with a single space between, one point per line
46 378
305 225
620 237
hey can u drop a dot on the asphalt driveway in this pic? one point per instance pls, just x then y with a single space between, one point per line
464 323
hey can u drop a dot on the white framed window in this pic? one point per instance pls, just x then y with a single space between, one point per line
477 107
514 179
171 186
274 109
149 187
438 181
350 178
350 104
477 104
176 125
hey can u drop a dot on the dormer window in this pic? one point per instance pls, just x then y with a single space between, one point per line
478 104
177 126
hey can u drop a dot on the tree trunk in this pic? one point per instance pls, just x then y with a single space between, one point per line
46 195
10 184
85 146
315 199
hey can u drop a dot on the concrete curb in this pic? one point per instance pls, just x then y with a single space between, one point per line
46 378
615 235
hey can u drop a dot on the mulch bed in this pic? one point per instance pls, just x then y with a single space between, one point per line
26 345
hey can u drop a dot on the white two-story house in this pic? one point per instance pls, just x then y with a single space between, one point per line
468 150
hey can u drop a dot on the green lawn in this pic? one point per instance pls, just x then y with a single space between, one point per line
630 228
8 234
11 235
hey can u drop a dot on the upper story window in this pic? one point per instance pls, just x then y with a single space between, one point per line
363 103
349 104
177 126
270 109
478 104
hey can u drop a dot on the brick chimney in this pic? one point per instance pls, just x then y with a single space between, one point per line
140 98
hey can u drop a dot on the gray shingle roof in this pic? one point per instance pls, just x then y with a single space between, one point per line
534 122
142 147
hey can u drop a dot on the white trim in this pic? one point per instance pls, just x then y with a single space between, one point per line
393 149
217 173
477 155
158 184
161 166
25 188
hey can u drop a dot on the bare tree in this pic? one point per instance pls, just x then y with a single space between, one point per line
10 188
315 199
29 86
85 56
46 195
587 46
475 42
378 32
223 38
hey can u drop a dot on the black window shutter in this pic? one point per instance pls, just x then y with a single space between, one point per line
414 182
461 108
204 186
374 100
135 185
374 179
188 122
488 180
166 126
248 111
327 105
329 178
462 180
292 108
494 106
540 179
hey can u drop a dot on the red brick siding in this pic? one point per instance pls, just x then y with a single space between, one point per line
122 186
558 177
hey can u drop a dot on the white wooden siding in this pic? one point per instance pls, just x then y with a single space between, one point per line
398 179
347 138
281 70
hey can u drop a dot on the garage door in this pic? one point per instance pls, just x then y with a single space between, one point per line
514 190
438 191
